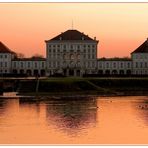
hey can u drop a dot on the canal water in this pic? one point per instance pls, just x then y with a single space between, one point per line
100 120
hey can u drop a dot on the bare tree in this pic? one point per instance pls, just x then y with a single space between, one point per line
20 55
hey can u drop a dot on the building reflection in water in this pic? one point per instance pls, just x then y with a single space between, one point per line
3 105
30 102
68 115
72 115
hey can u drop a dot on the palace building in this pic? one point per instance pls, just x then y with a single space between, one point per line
73 53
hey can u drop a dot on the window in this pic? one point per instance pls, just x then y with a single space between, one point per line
58 56
5 64
58 64
84 64
5 56
136 64
93 56
93 64
88 64
128 65
107 65
64 46
1 64
64 56
78 56
14 64
35 65
21 64
100 65
28 64
114 64
72 57
141 65
78 47
49 64
54 64
121 65
78 64
145 64
42 64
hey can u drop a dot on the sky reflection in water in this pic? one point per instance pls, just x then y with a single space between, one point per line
102 120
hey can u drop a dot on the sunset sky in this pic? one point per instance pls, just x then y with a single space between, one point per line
119 27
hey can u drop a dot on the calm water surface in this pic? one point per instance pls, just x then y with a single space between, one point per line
102 120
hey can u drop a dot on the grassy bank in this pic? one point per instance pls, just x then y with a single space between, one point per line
85 86
61 86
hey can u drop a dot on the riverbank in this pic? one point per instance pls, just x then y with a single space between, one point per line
84 86
78 86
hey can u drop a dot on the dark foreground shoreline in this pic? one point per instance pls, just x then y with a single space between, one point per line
69 87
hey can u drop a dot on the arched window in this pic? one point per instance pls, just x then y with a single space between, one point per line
64 56
78 56
72 57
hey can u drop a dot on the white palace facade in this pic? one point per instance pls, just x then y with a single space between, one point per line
72 53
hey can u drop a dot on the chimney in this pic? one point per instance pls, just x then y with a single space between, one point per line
95 38
82 37
60 38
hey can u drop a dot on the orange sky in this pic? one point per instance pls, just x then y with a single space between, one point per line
120 27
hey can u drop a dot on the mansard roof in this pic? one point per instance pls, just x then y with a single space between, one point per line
71 35
4 48
143 48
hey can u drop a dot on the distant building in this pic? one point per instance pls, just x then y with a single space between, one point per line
34 66
6 57
72 53
140 59
114 66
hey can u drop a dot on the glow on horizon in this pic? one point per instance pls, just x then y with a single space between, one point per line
119 27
